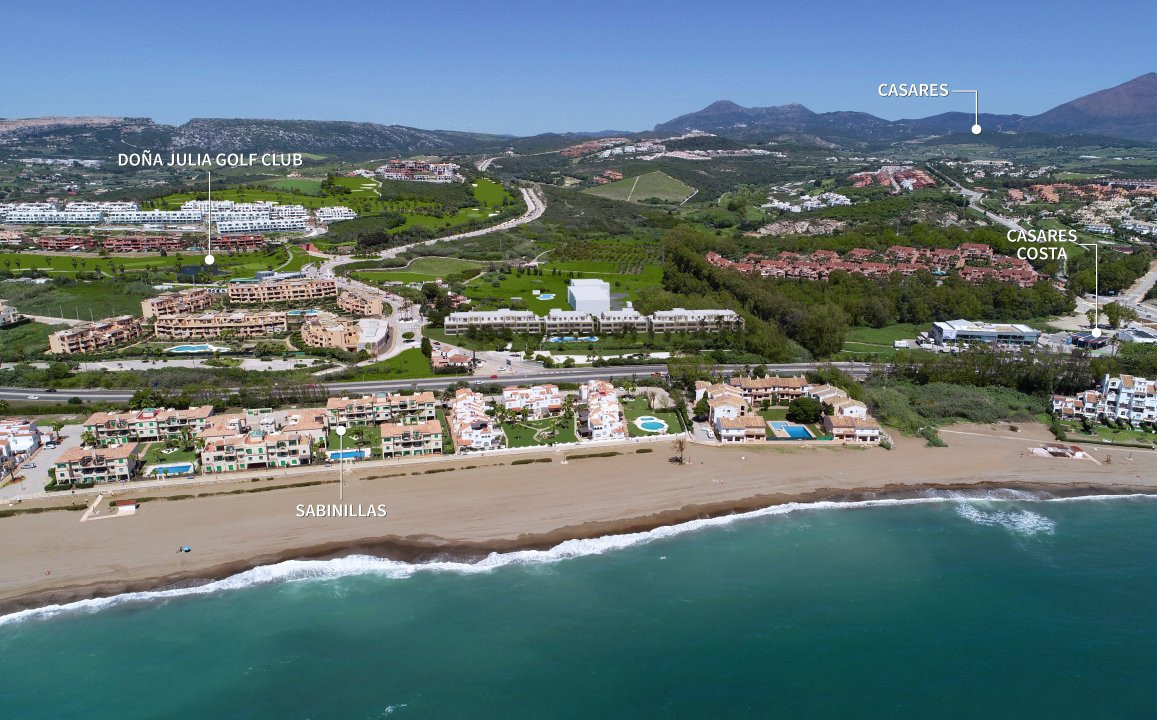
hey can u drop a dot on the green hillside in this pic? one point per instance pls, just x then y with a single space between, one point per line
650 186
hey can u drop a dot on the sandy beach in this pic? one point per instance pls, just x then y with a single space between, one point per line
52 557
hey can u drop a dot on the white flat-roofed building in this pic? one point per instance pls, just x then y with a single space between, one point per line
1129 397
683 320
420 171
952 332
519 321
102 207
569 322
8 314
333 213
154 217
621 321
53 217
287 224
589 295
204 206
18 436
288 212
538 401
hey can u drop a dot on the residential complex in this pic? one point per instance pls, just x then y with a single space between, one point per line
577 322
470 427
172 303
330 331
216 324
1125 397
411 440
734 416
20 436
774 389
293 290
972 262
361 303
119 244
602 418
114 428
95 336
255 449
380 408
537 401
420 171
98 465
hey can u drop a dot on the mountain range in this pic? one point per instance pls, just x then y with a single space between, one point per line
1127 111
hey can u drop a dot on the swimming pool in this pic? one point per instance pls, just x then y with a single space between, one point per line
202 348
348 454
173 469
546 296
797 432
650 423
295 313
568 338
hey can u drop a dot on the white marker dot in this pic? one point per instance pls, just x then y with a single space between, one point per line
975 129
1096 332
209 259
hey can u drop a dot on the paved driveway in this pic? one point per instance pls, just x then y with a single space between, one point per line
36 478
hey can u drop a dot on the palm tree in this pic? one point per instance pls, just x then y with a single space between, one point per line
680 447
88 439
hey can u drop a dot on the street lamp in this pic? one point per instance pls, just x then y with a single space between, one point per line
340 430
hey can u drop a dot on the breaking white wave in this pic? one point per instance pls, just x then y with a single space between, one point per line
1021 521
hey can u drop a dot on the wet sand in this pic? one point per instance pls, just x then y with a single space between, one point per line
468 512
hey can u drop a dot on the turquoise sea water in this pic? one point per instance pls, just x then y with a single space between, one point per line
948 609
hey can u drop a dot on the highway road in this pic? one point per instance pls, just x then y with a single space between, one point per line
557 375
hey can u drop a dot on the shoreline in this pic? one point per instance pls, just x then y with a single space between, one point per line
419 552
470 513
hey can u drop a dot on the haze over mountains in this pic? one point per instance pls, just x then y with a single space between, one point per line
1127 111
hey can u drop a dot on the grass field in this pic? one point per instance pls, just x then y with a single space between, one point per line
154 455
521 433
644 187
862 340
97 299
407 364
305 185
423 269
28 341
371 435
285 258
488 296
1106 434
638 407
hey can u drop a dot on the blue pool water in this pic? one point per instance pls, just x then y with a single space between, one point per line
568 338
546 296
650 423
348 454
175 469
295 313
202 348
795 431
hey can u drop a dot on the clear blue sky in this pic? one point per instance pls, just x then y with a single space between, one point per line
521 67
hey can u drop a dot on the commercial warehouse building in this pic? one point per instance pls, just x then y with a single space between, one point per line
954 332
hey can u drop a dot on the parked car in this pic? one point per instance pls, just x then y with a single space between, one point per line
29 466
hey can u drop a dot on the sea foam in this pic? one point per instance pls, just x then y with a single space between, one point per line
1022 521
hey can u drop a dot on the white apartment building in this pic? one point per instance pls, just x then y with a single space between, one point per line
52 217
8 314
603 417
622 321
19 436
154 217
519 321
1128 397
686 321
471 428
334 213
538 401
287 224
569 322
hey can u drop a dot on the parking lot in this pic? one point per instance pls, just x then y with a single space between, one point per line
36 478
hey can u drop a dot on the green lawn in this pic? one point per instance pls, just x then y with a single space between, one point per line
774 413
371 435
97 299
878 341
521 433
286 258
643 187
1104 433
488 192
305 185
154 455
423 269
28 341
486 296
408 364
638 407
